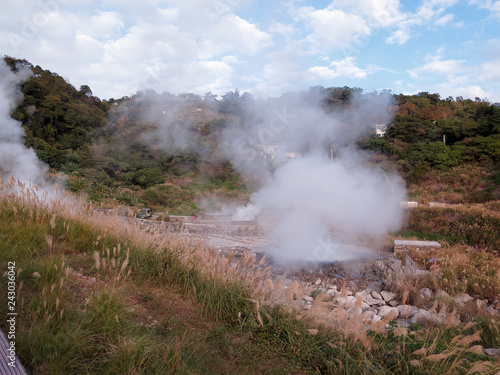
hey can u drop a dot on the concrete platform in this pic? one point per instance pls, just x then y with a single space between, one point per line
405 245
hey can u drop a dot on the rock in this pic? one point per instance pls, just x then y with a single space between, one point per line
363 294
387 310
481 304
407 311
317 282
368 314
331 292
365 306
308 307
423 316
377 295
356 310
426 293
442 294
463 298
376 318
308 298
347 302
492 352
393 303
387 296
372 301
375 286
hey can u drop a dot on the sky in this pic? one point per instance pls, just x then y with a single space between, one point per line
120 47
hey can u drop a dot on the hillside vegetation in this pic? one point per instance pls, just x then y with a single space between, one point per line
96 294
114 151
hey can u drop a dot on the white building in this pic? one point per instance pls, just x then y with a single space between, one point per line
380 129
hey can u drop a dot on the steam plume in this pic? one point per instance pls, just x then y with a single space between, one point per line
15 158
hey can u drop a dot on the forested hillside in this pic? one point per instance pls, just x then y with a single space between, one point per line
115 150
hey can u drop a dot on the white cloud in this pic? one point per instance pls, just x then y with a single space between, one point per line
333 28
102 26
285 30
342 68
378 13
233 33
430 13
444 20
492 6
436 66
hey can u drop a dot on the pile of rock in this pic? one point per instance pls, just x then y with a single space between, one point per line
373 306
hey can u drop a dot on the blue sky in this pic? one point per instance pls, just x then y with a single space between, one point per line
119 47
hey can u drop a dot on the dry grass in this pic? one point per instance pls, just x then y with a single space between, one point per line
334 335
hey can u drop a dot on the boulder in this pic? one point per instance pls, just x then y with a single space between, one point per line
463 298
426 293
492 352
374 302
387 310
387 296
377 295
423 316
407 311
376 318
347 302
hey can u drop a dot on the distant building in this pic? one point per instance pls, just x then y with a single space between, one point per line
380 129
270 150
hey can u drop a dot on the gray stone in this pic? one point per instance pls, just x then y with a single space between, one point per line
376 318
375 286
356 310
423 316
363 294
442 294
463 298
387 310
387 296
308 298
317 282
372 301
377 295
407 311
492 352
347 302
426 293
365 306
393 303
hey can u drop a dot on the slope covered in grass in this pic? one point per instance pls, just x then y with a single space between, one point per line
95 295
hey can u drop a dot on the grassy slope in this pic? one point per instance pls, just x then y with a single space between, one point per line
157 306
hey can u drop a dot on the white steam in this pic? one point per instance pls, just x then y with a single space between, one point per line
319 196
313 200
15 158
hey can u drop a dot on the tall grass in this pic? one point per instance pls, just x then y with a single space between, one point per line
76 267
